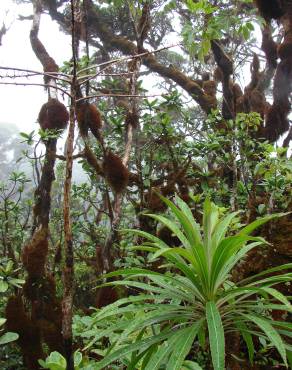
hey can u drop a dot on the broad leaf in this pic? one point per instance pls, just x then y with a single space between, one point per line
8 337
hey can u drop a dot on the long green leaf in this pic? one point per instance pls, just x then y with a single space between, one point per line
233 261
171 225
158 358
185 219
199 261
278 295
148 355
221 229
259 222
188 213
151 318
224 253
216 336
191 365
271 333
287 266
289 357
183 346
210 219
121 352
145 235
247 338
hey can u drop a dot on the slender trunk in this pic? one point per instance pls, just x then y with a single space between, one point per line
68 273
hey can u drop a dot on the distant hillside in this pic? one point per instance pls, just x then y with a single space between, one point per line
12 158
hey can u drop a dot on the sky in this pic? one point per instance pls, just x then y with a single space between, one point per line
20 105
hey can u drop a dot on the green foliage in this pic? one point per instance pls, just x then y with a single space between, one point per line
14 212
208 22
29 138
174 309
8 337
55 361
7 278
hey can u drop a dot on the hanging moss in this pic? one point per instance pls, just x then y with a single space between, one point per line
34 254
115 172
166 235
270 9
89 117
53 115
29 334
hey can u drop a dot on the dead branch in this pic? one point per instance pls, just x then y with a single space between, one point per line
48 63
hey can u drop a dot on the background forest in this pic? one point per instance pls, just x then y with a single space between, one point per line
159 237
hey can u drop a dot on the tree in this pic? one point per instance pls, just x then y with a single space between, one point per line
201 133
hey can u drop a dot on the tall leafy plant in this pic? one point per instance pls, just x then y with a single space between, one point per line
197 301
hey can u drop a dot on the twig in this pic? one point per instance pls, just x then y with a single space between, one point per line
127 57
36 72
35 84
118 96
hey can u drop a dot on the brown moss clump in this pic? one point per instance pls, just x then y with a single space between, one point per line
277 117
282 83
105 296
169 188
276 122
210 87
257 102
285 49
222 59
253 100
58 253
270 9
211 101
269 47
240 105
52 311
29 334
53 115
15 315
218 75
116 174
46 309
282 236
91 159
39 288
132 119
153 201
89 117
50 67
166 235
51 335
35 252
237 92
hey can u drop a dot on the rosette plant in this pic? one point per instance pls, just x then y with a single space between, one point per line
195 302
